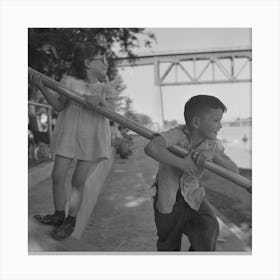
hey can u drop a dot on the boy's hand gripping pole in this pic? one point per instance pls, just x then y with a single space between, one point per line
134 126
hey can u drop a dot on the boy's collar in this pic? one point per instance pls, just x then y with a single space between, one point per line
186 130
188 133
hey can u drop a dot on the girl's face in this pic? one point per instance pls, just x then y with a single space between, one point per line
97 66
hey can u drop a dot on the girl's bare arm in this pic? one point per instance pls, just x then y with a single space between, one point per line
57 102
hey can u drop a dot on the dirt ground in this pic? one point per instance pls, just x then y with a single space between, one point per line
123 219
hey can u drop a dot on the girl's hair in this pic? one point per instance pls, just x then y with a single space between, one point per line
82 52
199 104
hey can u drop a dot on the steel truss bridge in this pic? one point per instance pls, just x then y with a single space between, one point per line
196 67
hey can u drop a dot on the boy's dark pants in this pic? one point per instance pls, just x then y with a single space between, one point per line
200 226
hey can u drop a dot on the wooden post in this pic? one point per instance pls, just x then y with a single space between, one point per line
134 126
50 125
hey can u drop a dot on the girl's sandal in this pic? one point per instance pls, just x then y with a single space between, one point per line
53 220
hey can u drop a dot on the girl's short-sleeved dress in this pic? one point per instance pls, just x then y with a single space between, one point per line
79 132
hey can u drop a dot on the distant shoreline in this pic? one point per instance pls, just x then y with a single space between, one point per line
238 123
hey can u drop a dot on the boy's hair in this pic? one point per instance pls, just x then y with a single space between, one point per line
82 52
200 103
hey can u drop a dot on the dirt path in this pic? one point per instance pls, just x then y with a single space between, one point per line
123 220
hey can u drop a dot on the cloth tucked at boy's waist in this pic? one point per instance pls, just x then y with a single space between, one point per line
191 191
168 182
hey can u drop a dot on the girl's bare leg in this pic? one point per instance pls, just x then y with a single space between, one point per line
78 182
61 166
59 173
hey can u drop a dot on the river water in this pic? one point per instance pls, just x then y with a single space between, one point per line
238 144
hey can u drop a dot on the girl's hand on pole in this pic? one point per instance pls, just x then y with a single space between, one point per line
38 81
103 79
97 89
94 100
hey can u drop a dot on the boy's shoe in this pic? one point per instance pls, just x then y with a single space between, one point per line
53 219
65 230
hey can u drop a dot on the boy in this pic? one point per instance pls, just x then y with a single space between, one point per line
179 204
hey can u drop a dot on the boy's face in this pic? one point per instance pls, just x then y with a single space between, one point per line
210 123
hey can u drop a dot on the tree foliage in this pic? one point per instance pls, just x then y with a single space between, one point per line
50 49
129 113
170 124
50 52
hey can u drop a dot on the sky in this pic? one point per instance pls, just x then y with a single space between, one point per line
145 95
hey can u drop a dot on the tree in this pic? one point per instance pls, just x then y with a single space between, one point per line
50 49
170 124
118 84
50 52
129 113
144 119
127 110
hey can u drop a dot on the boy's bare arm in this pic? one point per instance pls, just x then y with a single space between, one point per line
156 149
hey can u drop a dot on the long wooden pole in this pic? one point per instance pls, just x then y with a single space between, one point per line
134 126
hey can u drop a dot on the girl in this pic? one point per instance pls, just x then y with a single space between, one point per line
79 133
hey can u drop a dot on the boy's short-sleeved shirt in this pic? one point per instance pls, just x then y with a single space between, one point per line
169 178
